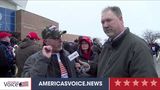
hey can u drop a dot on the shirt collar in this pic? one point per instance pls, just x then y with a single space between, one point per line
116 41
119 34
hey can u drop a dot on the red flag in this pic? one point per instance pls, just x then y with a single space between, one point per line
24 84
134 84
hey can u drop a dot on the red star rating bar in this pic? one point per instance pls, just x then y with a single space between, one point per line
134 84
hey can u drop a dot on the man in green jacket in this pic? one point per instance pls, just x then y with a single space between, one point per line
124 54
26 48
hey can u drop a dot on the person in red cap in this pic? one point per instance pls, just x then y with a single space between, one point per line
4 36
6 55
33 35
27 47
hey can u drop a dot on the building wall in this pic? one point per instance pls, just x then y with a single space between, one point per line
19 3
7 19
27 22
8 13
6 4
69 37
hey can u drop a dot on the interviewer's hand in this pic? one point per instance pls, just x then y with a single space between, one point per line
47 51
82 66
78 66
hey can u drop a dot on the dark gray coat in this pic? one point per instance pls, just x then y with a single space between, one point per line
127 56
38 65
25 49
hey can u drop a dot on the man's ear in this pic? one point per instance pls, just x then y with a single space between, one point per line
121 18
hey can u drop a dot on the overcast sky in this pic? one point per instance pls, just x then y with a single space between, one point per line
84 17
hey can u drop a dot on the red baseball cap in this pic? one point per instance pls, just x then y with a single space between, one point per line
5 34
33 35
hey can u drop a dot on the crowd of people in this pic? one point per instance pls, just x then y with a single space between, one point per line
123 55
19 51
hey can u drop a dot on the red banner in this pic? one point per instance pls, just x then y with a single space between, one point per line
134 84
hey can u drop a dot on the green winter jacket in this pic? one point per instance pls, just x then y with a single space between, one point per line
127 56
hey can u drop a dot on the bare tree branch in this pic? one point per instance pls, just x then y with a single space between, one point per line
151 36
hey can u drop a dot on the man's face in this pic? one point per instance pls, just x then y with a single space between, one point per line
111 23
55 43
7 39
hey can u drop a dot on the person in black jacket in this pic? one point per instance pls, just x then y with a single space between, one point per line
155 48
97 46
6 55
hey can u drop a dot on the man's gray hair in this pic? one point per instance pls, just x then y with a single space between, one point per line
116 10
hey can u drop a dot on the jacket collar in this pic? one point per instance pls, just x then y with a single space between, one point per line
5 43
26 43
118 40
